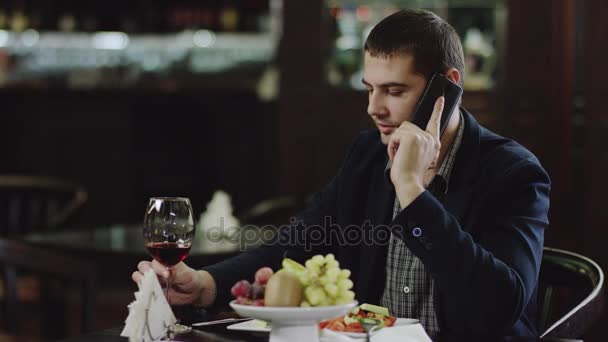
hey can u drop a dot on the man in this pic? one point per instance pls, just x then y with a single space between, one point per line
466 211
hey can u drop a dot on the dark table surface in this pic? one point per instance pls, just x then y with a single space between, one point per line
220 334
116 249
127 239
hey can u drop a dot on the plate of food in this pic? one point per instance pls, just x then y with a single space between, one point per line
295 298
350 324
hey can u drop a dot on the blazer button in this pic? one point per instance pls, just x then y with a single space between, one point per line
406 289
417 232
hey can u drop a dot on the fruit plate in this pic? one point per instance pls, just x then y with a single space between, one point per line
293 324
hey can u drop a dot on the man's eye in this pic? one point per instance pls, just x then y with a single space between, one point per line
395 92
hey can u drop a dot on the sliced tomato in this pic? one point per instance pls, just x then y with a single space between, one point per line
354 327
389 321
323 324
326 323
336 325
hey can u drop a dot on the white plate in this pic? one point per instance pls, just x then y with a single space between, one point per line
293 324
251 325
399 321
291 315
255 326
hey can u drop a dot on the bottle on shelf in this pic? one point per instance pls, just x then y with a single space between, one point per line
66 22
3 20
229 17
19 21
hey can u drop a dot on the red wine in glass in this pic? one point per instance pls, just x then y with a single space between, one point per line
168 253
168 234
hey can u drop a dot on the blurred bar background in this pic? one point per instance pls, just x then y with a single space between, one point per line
260 98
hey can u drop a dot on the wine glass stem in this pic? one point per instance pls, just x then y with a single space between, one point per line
169 284
167 288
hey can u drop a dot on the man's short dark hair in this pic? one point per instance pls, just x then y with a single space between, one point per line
432 42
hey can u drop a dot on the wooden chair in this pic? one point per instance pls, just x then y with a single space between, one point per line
571 294
29 203
53 265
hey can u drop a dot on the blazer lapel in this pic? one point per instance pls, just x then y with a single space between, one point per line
464 173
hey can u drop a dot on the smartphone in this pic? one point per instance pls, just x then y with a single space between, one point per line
438 86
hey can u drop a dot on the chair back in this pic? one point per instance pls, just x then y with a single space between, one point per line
273 211
571 294
67 271
31 203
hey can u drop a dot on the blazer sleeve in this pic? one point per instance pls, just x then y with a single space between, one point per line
484 283
296 240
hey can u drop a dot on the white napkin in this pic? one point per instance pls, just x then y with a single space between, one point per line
398 333
217 223
218 213
150 314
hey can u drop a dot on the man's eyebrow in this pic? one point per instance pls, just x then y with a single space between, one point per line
387 84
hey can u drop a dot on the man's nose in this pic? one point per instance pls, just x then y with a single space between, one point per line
375 106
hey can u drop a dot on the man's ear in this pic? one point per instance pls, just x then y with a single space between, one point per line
453 75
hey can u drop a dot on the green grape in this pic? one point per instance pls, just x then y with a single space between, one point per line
332 264
318 259
293 266
326 302
305 279
314 295
345 297
329 257
344 274
324 280
331 290
341 300
313 274
332 274
345 284
313 266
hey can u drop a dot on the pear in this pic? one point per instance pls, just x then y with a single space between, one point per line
283 289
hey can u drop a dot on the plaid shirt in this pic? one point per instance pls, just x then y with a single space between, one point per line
409 288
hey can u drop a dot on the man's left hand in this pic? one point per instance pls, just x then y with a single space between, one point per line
413 152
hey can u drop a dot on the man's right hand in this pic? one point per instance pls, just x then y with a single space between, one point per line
189 286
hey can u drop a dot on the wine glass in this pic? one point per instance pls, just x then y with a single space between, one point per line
168 234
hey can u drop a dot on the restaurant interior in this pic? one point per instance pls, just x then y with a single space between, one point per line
253 103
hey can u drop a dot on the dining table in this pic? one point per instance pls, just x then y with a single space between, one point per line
221 334
117 248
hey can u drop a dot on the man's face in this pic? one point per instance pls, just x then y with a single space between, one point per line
394 89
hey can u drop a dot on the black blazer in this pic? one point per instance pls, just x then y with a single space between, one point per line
481 242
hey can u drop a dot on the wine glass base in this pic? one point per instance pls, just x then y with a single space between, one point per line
179 329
